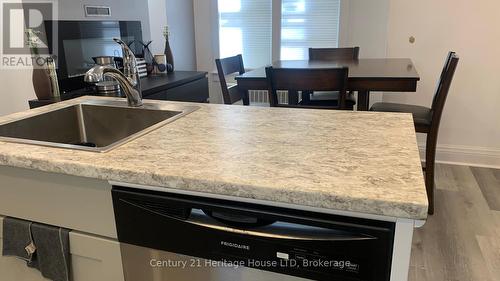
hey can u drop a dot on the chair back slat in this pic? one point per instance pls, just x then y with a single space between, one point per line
225 67
443 89
442 76
334 53
290 79
232 65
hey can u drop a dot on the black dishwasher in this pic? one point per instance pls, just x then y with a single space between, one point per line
167 236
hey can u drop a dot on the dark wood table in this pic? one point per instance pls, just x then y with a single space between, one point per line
365 76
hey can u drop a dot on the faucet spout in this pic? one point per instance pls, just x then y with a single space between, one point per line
129 79
129 60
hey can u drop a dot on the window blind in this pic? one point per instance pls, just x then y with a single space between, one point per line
245 27
308 23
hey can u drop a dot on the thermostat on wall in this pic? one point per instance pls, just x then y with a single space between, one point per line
97 11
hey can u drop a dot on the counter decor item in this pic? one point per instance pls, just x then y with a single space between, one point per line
40 76
54 82
108 86
147 56
168 50
142 67
160 64
107 61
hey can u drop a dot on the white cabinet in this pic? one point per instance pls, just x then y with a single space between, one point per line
78 203
92 259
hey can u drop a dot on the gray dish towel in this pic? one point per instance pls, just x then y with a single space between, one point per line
16 237
51 258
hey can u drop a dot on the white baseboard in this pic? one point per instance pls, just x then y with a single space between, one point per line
466 155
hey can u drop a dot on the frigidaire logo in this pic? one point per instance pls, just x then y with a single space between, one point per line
234 245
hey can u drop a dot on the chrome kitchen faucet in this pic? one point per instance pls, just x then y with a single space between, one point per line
129 80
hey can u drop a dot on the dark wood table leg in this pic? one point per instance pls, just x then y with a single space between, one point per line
293 97
245 97
363 100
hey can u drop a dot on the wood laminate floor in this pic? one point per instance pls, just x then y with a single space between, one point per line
461 241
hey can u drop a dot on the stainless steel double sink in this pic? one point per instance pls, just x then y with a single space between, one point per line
95 125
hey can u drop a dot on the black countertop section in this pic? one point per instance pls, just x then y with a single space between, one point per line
66 96
150 85
156 83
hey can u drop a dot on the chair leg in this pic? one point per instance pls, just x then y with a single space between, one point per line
430 160
306 96
429 185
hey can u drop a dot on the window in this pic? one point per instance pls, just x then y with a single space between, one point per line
306 24
246 27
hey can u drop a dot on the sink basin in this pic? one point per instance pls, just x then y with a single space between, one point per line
92 126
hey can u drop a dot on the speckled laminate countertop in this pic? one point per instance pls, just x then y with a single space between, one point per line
350 161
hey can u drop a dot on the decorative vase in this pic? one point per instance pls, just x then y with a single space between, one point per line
42 83
168 50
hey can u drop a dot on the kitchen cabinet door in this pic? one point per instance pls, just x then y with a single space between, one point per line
77 203
92 258
194 91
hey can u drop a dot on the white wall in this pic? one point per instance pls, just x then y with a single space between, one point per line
206 36
470 128
16 90
180 15
364 23
157 21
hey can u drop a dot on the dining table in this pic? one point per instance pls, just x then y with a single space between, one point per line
365 76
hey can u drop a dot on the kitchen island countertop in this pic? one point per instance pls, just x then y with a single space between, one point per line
361 162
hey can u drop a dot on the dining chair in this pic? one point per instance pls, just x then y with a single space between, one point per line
330 54
427 120
299 80
227 66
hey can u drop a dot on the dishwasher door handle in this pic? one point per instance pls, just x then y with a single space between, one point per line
284 236
278 230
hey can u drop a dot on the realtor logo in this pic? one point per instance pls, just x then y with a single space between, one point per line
24 36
